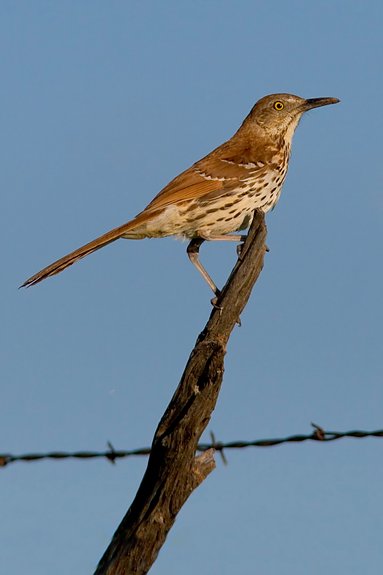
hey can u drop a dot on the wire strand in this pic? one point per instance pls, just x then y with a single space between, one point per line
112 454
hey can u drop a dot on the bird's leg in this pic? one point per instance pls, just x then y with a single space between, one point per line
193 253
230 238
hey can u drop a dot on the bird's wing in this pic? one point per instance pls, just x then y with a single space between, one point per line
211 176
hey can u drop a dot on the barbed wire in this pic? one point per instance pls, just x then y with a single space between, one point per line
111 454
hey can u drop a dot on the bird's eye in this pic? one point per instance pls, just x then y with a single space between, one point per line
278 106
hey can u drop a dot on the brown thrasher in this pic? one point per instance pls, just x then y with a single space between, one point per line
217 195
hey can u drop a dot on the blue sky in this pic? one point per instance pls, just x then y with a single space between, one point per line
102 103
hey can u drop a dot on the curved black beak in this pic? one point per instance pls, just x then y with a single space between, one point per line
317 102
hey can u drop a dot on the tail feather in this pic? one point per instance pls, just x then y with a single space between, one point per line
66 261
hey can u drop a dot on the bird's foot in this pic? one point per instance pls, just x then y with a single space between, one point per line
239 250
214 301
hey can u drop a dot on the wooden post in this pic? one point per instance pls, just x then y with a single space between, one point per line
174 470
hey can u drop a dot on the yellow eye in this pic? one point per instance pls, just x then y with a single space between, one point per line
278 106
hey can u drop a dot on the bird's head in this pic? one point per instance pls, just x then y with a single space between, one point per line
278 114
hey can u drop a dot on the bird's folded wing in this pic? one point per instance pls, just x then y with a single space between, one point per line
210 176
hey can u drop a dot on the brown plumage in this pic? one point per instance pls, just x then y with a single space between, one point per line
218 194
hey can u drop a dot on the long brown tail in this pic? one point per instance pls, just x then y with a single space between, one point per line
60 265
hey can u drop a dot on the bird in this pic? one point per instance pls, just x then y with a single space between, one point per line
218 195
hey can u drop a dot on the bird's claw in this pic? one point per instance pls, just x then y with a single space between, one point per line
239 249
214 301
